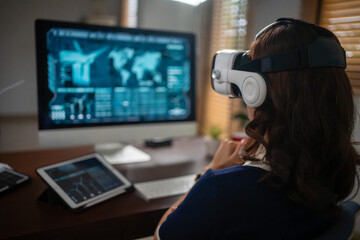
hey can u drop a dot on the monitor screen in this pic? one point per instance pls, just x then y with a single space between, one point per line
100 76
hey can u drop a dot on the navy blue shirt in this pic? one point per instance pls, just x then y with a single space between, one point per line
231 204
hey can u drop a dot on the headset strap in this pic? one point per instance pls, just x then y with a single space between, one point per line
323 52
291 60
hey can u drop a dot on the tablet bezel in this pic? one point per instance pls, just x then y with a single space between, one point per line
92 201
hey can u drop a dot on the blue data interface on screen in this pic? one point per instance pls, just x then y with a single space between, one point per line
84 180
98 76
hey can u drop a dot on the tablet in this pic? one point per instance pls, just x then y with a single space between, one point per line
10 179
85 181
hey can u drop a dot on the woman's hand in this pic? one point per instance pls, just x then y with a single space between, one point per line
227 155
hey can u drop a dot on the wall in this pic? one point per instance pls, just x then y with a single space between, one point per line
17 44
263 12
167 15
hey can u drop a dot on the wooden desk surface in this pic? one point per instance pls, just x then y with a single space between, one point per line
127 216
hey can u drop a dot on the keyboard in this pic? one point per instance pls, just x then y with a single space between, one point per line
165 187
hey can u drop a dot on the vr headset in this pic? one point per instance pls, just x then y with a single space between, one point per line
234 74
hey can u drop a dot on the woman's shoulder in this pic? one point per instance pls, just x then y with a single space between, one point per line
239 170
238 178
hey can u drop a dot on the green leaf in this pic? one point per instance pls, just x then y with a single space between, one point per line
215 132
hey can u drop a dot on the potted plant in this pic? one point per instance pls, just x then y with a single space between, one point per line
243 120
240 119
212 142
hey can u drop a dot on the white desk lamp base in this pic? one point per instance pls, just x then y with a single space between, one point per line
121 153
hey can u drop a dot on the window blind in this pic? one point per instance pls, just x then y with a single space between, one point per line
129 13
132 13
229 26
343 19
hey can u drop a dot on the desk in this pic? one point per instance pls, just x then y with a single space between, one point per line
126 216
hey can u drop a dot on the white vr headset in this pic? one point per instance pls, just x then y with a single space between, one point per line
228 81
235 75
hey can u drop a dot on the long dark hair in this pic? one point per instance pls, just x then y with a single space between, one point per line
306 123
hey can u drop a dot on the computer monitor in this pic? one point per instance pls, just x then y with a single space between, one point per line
100 84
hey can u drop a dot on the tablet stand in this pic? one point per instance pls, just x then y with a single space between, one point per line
50 197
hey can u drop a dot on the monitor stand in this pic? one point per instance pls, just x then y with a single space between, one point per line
121 153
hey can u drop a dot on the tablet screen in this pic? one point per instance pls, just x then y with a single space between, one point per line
85 179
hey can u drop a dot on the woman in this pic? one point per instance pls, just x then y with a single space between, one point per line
296 166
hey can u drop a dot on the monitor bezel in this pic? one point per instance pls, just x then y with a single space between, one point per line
41 28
